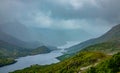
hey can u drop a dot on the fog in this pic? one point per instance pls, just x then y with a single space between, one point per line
55 22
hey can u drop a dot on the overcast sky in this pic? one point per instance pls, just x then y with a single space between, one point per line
92 16
62 14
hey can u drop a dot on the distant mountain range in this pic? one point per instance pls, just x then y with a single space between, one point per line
15 41
17 34
112 35
17 30
13 47
55 37
99 55
8 52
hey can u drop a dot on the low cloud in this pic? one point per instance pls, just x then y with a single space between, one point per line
62 14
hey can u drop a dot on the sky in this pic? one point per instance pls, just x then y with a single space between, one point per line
92 16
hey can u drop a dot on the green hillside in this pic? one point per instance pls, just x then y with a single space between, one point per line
111 35
109 47
111 65
8 52
6 61
91 56
40 50
106 47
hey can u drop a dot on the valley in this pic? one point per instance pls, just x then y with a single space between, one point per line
100 57
40 59
59 36
9 52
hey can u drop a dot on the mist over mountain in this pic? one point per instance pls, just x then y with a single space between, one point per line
18 35
36 35
17 30
60 37
54 30
113 35
57 22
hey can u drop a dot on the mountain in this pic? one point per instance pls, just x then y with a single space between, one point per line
16 29
8 52
109 47
55 37
111 35
97 57
110 65
42 49
13 40
18 34
10 39
85 61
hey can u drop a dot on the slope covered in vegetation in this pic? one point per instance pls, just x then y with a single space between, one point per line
8 52
96 56
111 35
111 65
6 61
109 47
106 47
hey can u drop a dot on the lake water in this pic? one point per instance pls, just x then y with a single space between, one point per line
41 59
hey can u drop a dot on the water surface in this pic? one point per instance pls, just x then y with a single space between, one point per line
41 59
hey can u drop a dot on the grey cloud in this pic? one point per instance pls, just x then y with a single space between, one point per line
108 10
97 14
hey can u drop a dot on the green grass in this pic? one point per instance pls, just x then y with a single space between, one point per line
6 61
111 65
106 47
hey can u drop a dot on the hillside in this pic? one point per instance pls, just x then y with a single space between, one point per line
106 47
96 58
110 65
83 62
8 52
7 61
53 36
13 51
10 39
16 30
111 35
109 47
40 50
15 41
